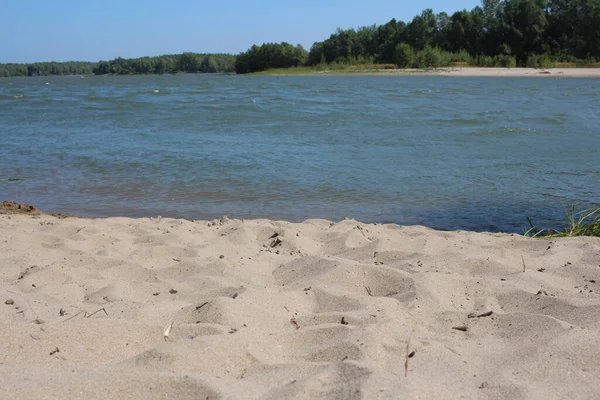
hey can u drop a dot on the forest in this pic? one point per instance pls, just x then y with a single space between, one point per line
166 64
499 33
270 55
47 68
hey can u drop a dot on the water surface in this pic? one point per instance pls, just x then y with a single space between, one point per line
445 152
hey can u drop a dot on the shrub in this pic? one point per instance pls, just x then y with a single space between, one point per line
484 61
403 55
462 57
505 61
431 57
539 61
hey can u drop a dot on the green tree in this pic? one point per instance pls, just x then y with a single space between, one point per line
387 37
524 24
160 66
189 62
418 32
403 55
209 65
270 55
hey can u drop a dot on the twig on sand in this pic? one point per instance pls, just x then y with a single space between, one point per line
368 289
167 331
475 315
522 259
73 316
97 311
462 328
86 315
408 355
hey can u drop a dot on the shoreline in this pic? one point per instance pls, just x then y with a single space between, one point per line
15 208
458 72
484 72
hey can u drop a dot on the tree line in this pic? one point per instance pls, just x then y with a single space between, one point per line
270 55
47 68
497 33
166 64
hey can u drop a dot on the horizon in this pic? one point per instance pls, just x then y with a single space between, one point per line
70 31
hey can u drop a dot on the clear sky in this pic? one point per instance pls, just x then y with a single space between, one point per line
84 30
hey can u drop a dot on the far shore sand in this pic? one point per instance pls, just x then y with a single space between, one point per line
156 308
474 72
519 72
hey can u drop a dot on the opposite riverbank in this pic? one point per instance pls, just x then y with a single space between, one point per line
452 71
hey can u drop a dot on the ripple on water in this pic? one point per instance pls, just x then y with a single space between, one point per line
451 153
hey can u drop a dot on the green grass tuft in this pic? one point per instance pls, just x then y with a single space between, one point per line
580 222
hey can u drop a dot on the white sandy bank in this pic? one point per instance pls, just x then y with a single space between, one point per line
276 310
494 72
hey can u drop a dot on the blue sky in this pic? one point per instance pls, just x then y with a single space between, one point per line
80 30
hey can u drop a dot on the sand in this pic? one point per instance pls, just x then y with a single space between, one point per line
477 72
275 310
524 72
508 72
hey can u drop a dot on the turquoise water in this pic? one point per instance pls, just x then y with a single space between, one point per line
449 153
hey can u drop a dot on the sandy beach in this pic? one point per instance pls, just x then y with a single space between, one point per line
258 309
509 72
473 72
525 72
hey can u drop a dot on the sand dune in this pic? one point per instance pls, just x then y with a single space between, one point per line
274 310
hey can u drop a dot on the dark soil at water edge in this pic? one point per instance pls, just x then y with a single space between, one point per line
13 207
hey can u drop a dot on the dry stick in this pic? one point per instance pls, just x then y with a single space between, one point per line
73 316
102 309
522 259
406 358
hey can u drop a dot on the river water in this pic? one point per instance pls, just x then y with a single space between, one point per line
446 152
